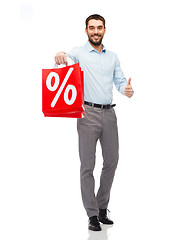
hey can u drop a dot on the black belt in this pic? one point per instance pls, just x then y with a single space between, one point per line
104 106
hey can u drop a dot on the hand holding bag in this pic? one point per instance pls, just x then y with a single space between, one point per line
63 92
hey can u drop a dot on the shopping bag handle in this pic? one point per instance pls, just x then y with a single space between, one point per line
69 62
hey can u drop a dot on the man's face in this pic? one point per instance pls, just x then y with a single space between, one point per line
95 31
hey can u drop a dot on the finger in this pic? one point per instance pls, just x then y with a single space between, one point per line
65 60
56 60
128 90
128 87
128 94
129 81
62 60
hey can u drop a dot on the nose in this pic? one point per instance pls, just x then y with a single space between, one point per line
96 30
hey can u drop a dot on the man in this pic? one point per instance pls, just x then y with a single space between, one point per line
101 69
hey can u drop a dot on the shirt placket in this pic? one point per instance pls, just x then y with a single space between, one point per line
103 75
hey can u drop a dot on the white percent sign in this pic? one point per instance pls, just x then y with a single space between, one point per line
56 84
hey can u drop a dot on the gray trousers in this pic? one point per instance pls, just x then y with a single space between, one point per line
97 124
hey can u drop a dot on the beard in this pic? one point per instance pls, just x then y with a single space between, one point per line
95 42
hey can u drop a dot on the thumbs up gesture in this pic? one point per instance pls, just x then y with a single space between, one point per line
128 89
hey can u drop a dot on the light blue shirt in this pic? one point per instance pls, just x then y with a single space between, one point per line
101 70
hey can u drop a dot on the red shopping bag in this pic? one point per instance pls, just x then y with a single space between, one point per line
63 92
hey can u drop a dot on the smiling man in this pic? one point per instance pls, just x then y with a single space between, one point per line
95 31
101 69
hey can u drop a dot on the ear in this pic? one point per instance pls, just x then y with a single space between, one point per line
86 31
105 30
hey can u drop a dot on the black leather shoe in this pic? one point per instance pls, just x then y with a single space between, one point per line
94 224
103 217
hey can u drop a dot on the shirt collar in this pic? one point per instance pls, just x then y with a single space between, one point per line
90 48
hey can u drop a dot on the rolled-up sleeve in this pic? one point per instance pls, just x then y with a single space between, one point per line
119 78
73 54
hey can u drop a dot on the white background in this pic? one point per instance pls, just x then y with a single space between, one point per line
39 163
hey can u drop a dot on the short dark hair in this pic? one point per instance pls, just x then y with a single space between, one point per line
96 17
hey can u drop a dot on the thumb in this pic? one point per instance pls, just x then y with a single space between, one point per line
129 81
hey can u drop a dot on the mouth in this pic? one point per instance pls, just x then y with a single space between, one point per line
96 37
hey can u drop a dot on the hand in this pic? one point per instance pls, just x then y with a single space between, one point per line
128 89
61 58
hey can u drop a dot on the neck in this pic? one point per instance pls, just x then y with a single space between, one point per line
98 48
